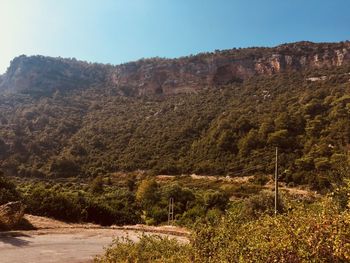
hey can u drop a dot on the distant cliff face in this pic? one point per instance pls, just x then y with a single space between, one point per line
213 69
171 76
46 75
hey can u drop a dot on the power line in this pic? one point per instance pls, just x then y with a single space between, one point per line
251 168
260 162
253 157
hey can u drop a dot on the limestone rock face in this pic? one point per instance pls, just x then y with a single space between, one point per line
190 74
11 214
44 75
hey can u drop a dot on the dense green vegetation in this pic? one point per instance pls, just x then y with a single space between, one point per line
125 199
303 232
315 234
8 191
231 130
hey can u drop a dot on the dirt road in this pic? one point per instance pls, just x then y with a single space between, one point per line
62 244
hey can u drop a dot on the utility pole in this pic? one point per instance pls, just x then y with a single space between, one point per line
171 211
276 182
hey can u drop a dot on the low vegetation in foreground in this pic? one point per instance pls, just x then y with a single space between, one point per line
230 221
248 232
319 233
316 233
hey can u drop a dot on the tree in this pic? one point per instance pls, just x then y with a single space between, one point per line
147 193
96 185
64 167
278 138
249 142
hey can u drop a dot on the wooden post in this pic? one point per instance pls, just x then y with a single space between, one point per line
276 182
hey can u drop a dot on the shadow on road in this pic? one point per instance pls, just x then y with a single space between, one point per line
14 240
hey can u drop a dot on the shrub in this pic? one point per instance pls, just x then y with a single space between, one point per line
53 203
64 168
261 204
147 193
157 215
96 185
191 215
314 234
216 199
8 192
150 249
259 179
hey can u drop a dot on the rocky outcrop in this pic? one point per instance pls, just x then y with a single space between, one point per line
171 76
39 74
11 214
190 74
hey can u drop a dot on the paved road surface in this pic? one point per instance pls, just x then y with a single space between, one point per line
72 246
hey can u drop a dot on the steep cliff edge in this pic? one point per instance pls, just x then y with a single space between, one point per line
170 76
39 74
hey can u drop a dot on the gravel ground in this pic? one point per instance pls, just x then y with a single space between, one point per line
57 242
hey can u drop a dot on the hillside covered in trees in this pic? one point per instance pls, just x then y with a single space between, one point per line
86 124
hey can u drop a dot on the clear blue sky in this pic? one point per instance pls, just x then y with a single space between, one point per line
115 31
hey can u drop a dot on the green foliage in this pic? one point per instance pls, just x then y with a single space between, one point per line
228 130
113 203
261 204
75 205
260 179
150 249
8 191
96 186
341 193
183 197
215 199
318 233
64 168
278 138
147 193
53 203
249 142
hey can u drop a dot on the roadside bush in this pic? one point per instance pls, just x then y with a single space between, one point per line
8 192
261 204
150 249
155 215
58 202
54 203
99 213
302 235
259 179
319 233
216 199
191 215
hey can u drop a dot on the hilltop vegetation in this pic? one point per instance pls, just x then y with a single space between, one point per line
231 129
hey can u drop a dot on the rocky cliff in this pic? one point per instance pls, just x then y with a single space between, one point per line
46 74
170 76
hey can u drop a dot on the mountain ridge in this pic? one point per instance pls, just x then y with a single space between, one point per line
40 74
67 118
